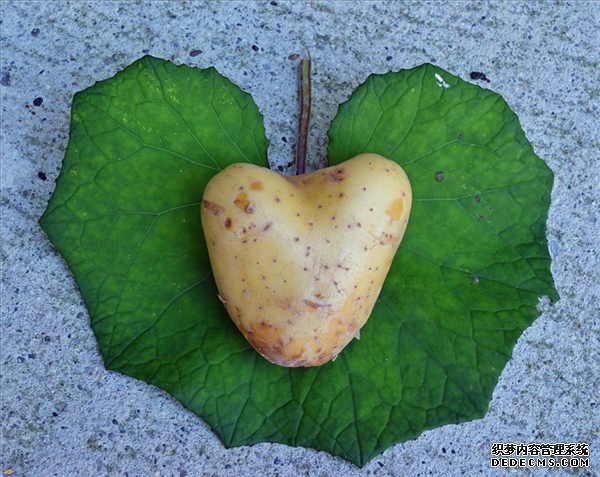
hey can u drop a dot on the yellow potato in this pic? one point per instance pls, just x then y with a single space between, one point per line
299 261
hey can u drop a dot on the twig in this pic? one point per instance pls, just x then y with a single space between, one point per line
305 105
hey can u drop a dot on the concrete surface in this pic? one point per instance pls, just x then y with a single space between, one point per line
64 414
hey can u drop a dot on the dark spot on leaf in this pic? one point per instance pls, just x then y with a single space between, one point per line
477 199
439 176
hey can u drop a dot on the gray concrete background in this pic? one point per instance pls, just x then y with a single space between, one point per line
64 414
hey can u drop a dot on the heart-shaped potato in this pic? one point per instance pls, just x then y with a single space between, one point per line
299 261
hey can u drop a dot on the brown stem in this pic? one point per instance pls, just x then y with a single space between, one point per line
303 126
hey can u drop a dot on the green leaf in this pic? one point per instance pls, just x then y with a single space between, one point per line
464 285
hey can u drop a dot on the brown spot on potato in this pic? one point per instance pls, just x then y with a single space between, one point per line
227 223
396 209
337 174
312 304
213 208
243 203
388 239
256 185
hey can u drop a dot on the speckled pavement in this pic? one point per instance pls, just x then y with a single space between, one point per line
64 414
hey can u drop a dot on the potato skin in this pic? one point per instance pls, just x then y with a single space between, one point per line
300 261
